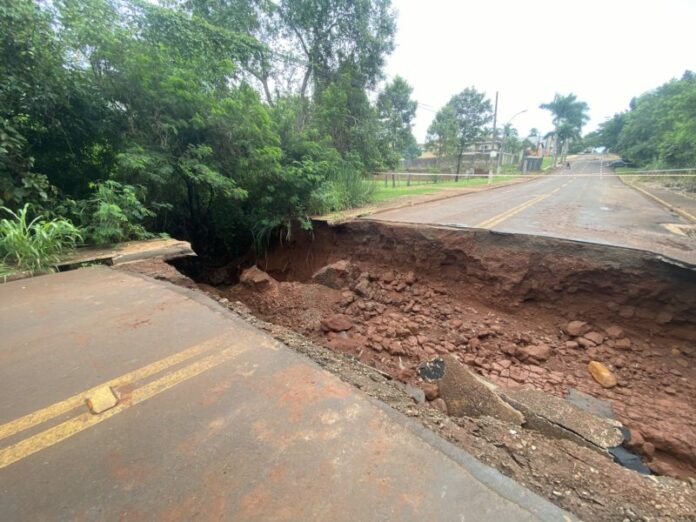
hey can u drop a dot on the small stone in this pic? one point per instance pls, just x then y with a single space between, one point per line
395 348
585 343
623 344
539 352
440 404
614 331
337 323
571 344
576 328
256 278
410 278
603 375
595 337
670 390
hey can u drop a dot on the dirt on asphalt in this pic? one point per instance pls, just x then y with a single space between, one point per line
371 302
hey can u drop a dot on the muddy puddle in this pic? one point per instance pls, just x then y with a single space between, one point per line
611 327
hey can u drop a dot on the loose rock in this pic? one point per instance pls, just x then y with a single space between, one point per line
576 328
337 323
603 375
539 352
256 278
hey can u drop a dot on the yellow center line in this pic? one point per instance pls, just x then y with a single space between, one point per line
59 408
64 430
497 219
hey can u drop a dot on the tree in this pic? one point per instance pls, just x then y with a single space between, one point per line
569 116
442 133
396 113
330 33
461 123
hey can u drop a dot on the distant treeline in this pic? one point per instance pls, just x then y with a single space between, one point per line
659 129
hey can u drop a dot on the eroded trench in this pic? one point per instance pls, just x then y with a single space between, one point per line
524 312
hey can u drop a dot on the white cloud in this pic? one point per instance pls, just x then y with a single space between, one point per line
604 51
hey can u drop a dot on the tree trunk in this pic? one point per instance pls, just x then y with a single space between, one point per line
459 166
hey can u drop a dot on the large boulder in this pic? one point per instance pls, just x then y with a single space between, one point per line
468 395
336 275
256 278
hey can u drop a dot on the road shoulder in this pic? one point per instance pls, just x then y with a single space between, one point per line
439 194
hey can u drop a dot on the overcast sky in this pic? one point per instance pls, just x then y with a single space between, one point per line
604 51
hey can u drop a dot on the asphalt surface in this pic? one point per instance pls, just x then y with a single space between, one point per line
126 398
587 202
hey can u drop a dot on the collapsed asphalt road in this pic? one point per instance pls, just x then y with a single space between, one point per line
528 312
587 202
126 398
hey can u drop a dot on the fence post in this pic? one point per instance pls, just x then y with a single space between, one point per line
386 177
393 181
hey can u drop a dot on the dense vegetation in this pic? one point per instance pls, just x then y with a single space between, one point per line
217 121
659 129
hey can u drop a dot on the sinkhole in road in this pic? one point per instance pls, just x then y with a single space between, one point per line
521 311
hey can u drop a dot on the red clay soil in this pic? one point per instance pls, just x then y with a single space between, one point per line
399 296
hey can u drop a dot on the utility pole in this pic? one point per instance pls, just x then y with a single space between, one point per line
495 120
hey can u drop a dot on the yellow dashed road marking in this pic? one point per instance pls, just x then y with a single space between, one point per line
64 430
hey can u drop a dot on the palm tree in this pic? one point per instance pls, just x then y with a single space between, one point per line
569 115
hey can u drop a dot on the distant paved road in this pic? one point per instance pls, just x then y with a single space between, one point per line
587 203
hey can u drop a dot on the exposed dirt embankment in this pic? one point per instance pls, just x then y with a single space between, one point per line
601 283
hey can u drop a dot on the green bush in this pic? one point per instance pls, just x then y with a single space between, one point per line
113 213
37 244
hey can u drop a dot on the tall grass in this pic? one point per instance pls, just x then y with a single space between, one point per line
35 245
345 187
